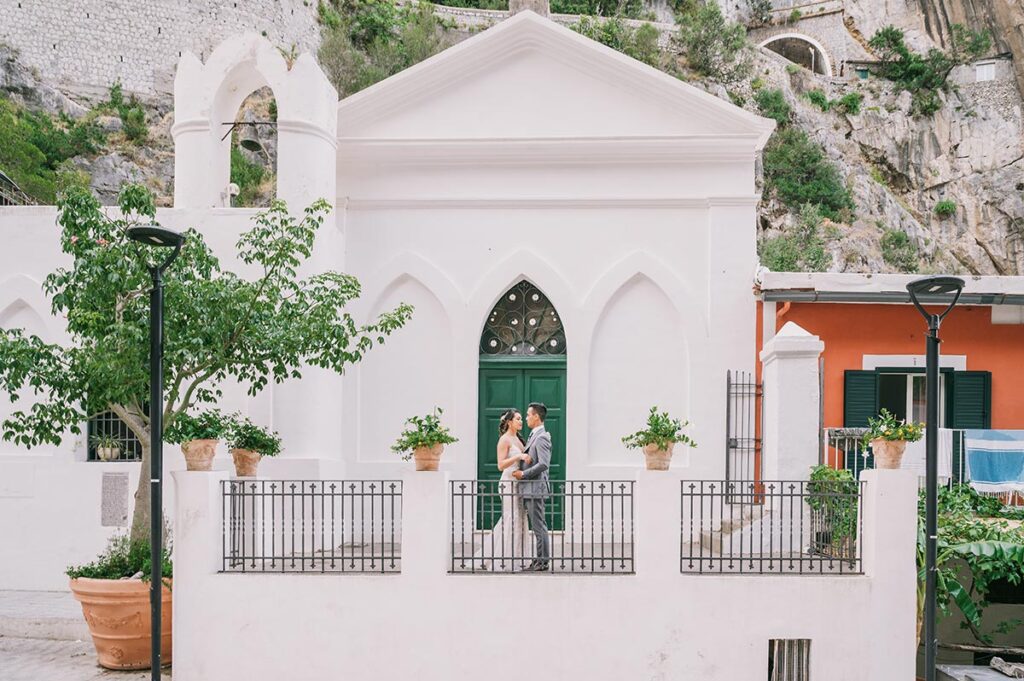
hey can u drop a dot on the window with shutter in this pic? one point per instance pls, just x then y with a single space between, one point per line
972 399
860 398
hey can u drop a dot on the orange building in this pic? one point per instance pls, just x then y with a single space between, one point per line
875 344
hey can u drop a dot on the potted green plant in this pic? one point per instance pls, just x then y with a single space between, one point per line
107 447
249 443
424 439
114 593
198 437
658 439
888 438
833 500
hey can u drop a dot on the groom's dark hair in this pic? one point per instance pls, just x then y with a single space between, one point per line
539 409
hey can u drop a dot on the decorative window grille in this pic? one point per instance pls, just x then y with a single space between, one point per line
984 71
523 323
789 659
108 423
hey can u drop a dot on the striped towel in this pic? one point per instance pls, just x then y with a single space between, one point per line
995 460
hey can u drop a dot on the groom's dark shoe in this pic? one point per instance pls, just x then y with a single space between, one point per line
532 567
542 567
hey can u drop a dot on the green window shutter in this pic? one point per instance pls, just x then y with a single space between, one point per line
860 398
972 399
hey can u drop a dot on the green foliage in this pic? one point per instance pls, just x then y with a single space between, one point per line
714 46
945 208
756 84
976 547
792 68
773 104
327 15
796 169
887 427
360 53
422 431
121 559
639 43
848 103
244 434
818 99
898 251
794 16
834 494
218 325
249 177
105 441
629 9
662 430
33 146
133 117
208 425
802 249
760 11
925 75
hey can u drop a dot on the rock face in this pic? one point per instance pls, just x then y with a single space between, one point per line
25 88
898 167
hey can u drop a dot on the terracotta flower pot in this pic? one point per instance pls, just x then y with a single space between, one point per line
658 459
199 454
246 462
888 453
428 458
117 612
108 453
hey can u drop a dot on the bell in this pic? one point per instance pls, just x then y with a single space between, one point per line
248 140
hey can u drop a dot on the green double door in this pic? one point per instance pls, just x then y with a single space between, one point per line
507 383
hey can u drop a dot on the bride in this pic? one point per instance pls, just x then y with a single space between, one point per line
506 548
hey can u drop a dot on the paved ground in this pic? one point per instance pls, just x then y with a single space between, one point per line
28 659
43 637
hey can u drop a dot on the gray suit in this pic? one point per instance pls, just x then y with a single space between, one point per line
535 488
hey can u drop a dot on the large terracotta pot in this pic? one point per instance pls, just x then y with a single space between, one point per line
658 459
246 462
117 612
199 454
428 458
888 453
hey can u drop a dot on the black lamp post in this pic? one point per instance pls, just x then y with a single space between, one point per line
922 291
152 235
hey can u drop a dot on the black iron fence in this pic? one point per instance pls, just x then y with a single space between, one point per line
312 526
771 527
590 527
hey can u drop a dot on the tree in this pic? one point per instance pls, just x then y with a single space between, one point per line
924 75
714 46
218 325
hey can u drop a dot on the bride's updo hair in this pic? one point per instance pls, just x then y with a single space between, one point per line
505 419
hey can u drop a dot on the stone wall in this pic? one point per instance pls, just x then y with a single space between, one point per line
87 45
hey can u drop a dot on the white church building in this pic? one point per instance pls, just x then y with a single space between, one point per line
572 227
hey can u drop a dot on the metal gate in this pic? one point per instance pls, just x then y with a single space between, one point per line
742 427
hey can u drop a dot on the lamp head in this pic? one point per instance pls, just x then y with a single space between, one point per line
935 290
154 235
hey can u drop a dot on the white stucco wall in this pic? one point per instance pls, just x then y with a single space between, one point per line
655 624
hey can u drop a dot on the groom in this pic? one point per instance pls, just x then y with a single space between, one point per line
536 488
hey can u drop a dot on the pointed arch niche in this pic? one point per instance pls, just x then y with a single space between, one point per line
522 360
409 374
638 359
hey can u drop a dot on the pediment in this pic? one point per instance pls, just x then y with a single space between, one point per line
529 78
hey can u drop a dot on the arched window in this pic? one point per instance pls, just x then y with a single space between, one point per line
523 323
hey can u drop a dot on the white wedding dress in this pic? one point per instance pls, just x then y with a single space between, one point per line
507 547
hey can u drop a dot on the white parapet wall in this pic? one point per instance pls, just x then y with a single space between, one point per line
424 623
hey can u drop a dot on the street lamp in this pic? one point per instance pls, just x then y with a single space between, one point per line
933 290
153 235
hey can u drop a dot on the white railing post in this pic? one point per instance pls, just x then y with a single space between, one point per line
198 551
656 524
426 534
889 541
791 403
